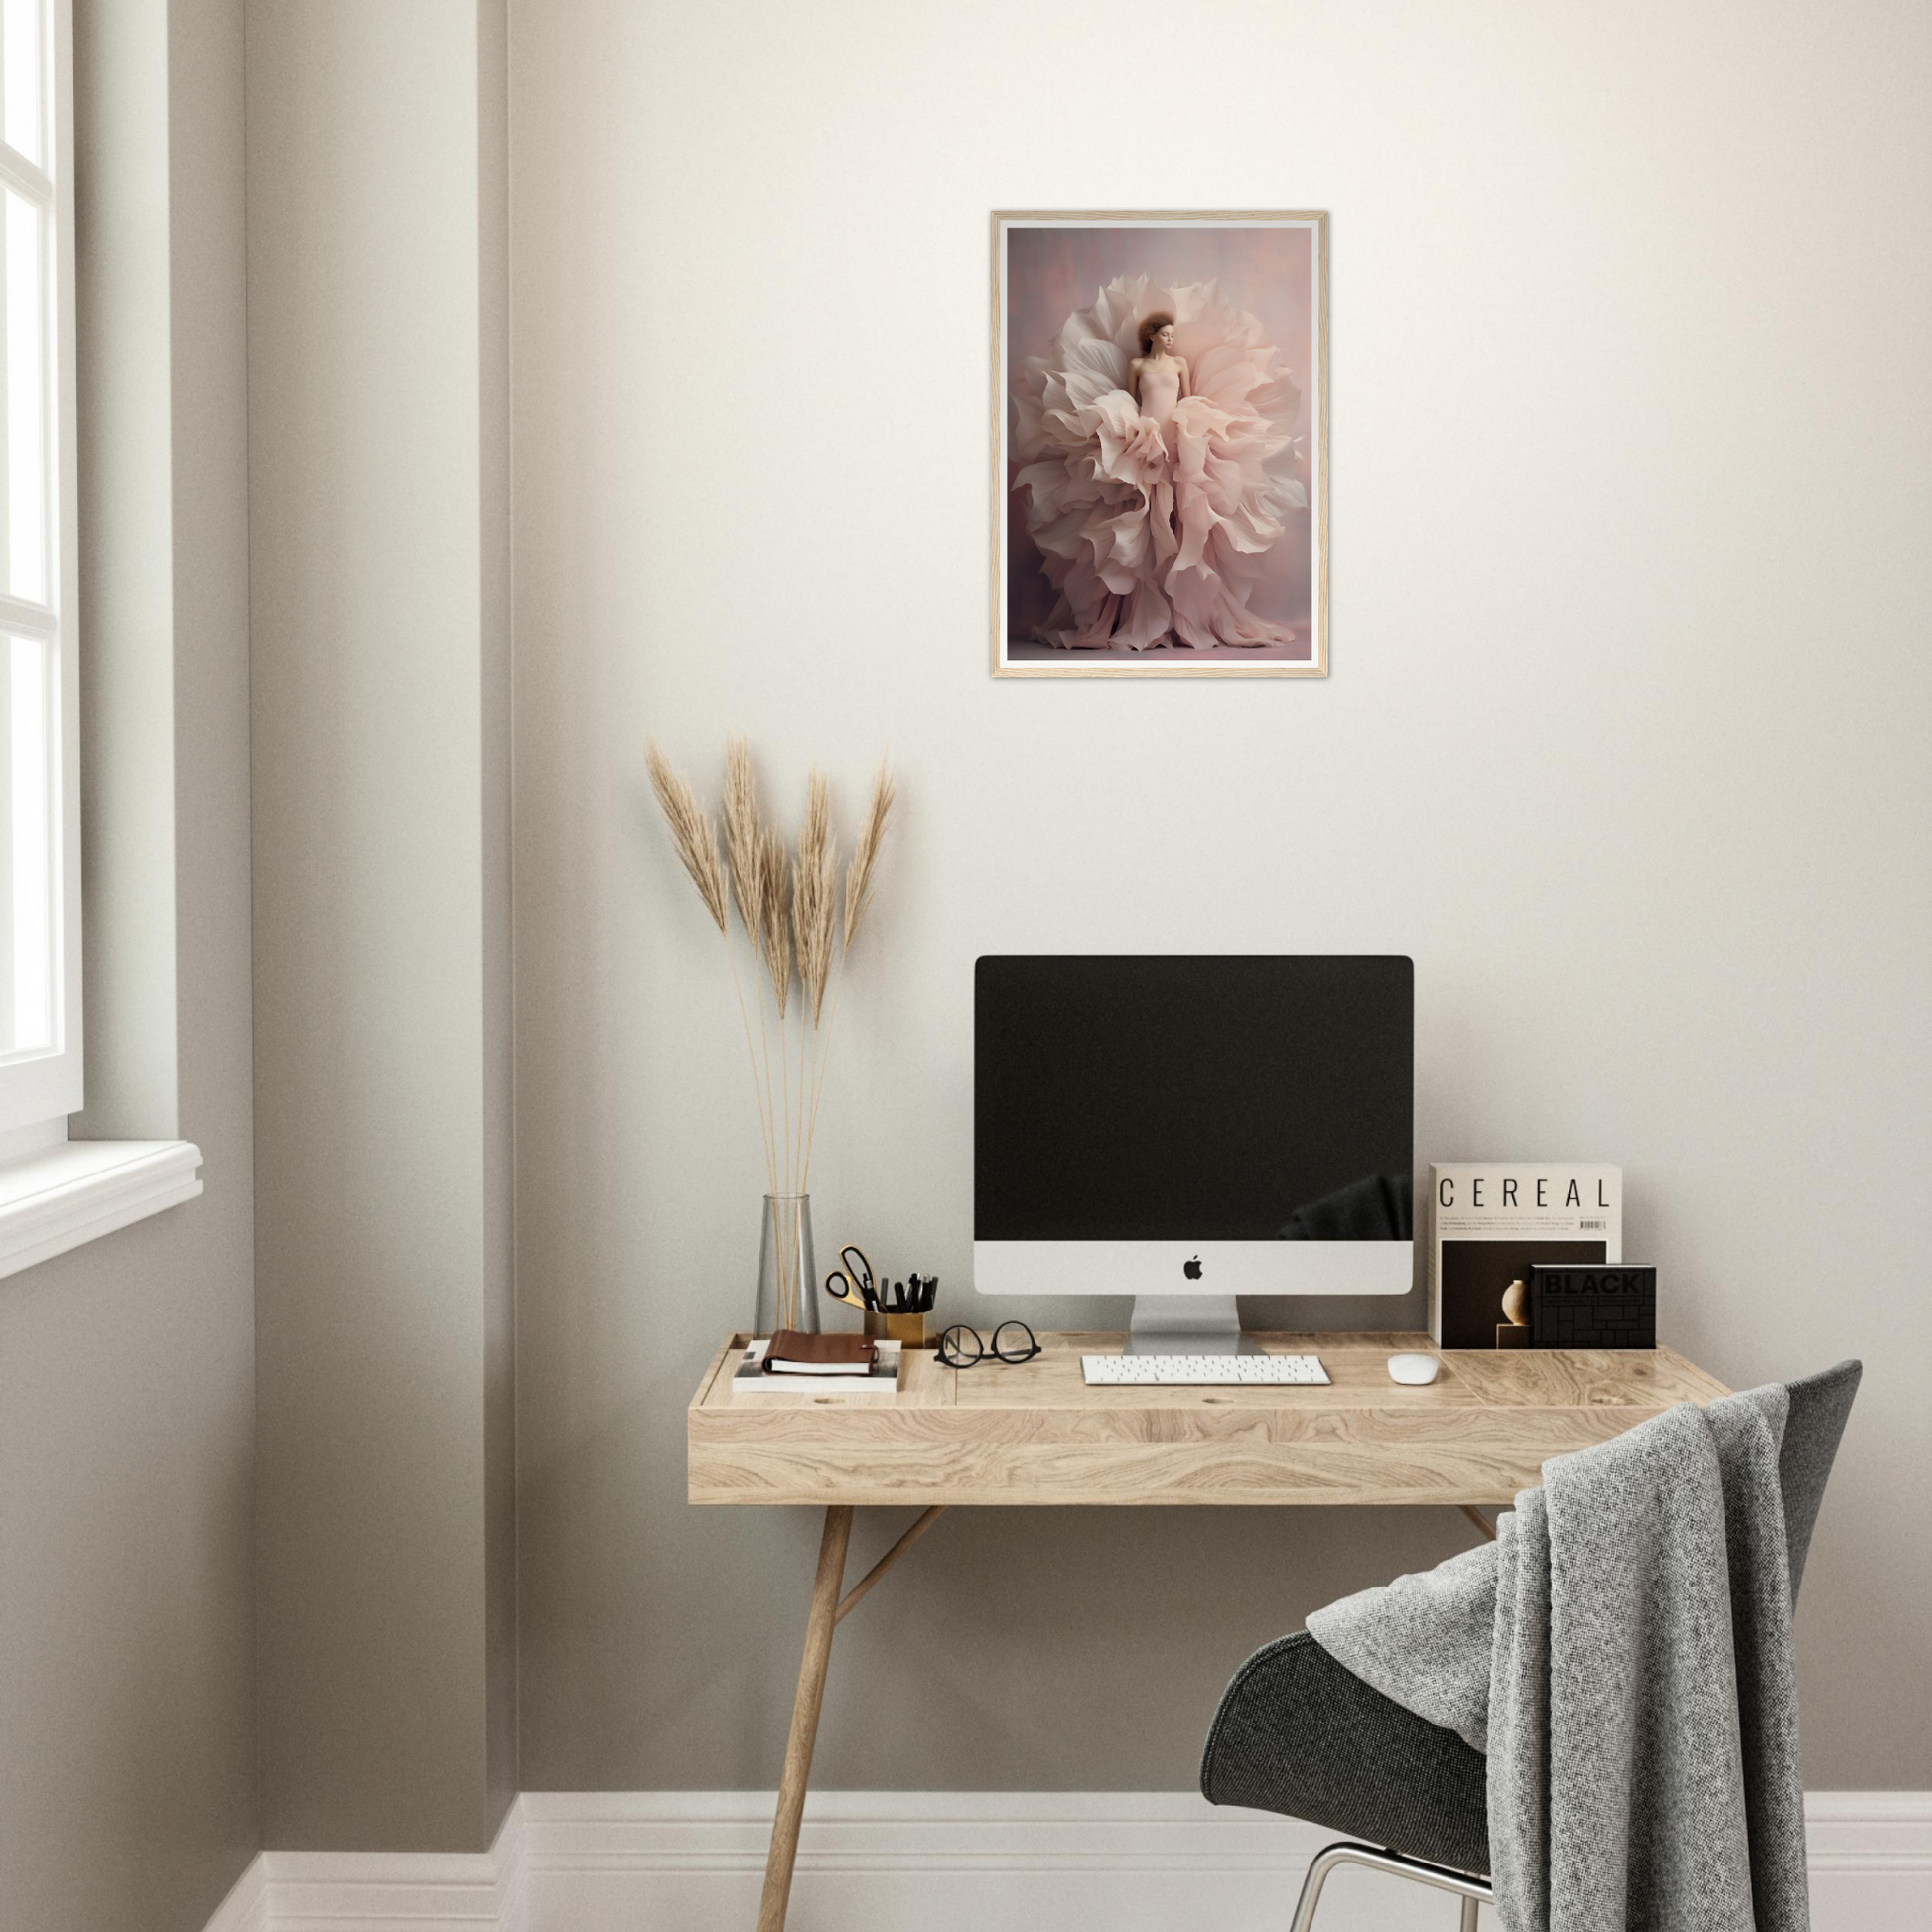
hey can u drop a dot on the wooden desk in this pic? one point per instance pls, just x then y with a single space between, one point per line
1034 1433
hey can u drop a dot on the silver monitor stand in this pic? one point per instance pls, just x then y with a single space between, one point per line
1187 1325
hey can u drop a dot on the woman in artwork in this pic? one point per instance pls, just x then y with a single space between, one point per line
1149 490
1158 361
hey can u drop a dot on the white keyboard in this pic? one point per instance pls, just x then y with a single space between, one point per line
1202 1371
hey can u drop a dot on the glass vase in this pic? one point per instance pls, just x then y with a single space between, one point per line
787 1272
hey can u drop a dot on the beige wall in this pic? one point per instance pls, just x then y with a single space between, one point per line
1625 743
379 507
127 1774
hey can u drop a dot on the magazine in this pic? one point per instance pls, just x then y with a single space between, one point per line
1489 1222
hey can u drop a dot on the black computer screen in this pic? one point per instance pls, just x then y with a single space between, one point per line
1212 1098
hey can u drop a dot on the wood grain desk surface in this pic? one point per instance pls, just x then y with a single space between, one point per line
1032 1433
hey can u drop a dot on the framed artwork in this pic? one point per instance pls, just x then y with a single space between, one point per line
1160 445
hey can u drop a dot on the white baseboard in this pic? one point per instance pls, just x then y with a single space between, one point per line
954 1862
245 1909
384 1892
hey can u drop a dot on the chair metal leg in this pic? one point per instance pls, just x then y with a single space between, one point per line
1472 1891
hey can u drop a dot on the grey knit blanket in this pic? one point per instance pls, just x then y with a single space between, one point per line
1622 1652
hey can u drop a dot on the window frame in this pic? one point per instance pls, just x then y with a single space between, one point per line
56 1192
38 1090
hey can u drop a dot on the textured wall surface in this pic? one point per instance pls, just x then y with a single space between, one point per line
128 1669
1624 744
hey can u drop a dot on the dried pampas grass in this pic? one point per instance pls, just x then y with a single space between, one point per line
814 895
691 832
787 910
774 916
743 847
865 850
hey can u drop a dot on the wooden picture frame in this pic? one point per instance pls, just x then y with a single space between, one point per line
1135 542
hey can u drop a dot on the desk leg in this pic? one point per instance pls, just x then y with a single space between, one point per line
804 1718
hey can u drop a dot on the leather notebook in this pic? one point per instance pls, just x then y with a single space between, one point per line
793 1353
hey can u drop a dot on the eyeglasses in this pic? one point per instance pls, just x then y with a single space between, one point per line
1012 1341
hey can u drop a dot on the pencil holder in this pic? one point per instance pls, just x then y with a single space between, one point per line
906 1328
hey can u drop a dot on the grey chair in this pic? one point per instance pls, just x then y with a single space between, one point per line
1299 1734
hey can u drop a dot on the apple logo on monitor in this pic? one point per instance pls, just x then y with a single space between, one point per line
1191 1268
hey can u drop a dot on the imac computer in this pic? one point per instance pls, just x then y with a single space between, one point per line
1185 1130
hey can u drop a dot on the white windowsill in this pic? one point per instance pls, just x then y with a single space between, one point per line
79 1191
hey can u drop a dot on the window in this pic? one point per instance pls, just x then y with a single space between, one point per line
54 1193
39 846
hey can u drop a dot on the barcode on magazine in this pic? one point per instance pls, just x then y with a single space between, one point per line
1599 1225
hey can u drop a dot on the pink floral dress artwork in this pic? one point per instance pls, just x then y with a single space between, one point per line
1151 521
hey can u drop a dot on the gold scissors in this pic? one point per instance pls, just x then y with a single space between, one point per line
853 1281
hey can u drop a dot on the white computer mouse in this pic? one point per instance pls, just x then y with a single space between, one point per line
1414 1368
